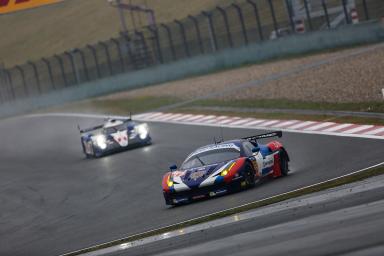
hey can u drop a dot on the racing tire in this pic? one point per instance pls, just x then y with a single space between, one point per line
249 175
284 163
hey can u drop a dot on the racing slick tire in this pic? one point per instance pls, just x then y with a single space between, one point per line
284 163
249 175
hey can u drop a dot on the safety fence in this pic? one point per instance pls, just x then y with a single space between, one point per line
240 24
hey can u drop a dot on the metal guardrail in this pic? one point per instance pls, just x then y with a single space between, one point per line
248 22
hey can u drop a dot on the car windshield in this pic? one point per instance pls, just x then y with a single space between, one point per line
210 157
121 127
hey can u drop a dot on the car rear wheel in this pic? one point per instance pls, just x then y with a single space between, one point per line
249 175
284 163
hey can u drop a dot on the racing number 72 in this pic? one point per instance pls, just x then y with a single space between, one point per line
6 2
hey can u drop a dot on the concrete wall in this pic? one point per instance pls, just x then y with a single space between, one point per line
350 35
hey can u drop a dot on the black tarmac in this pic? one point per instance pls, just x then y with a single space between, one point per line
53 200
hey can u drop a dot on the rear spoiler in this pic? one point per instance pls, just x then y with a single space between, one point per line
90 129
264 135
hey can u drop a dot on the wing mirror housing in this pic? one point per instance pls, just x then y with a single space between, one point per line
256 150
173 167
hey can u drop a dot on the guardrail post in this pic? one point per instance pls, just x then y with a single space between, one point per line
20 69
10 83
84 64
240 14
275 25
49 68
74 67
105 46
308 15
170 39
257 16
145 47
155 33
344 3
324 4
128 41
288 4
365 9
225 17
60 61
36 75
119 53
198 33
182 31
93 50
212 33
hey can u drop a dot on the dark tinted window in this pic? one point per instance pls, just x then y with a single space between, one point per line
117 128
211 157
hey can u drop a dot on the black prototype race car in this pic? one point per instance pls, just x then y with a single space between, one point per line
113 135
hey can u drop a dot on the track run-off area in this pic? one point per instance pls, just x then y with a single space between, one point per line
54 201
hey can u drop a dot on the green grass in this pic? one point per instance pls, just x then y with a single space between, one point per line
250 206
290 104
116 106
45 31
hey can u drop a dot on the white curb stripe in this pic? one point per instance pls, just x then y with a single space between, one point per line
319 126
229 120
293 126
338 127
254 122
242 121
300 125
205 118
358 129
216 120
183 117
195 117
161 117
286 123
376 131
270 123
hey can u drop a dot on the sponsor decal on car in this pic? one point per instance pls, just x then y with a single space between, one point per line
8 6
196 175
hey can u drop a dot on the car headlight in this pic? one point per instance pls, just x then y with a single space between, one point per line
142 130
101 141
226 171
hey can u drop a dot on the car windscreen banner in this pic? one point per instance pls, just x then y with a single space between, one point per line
9 6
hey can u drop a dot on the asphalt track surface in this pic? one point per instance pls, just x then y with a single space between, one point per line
53 200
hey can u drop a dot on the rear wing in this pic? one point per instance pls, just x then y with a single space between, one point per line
254 138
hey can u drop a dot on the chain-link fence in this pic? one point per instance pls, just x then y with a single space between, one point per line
248 22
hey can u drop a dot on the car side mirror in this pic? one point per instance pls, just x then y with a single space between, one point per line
256 150
173 167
